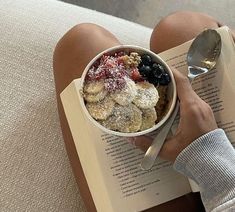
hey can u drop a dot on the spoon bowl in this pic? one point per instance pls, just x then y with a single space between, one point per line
203 53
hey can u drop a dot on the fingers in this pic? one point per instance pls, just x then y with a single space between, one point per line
141 142
183 86
144 142
188 99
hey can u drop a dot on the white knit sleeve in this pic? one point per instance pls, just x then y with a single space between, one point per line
210 162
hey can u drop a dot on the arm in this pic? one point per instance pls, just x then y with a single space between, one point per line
200 150
210 162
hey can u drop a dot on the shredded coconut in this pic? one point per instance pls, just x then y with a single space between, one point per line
118 98
147 95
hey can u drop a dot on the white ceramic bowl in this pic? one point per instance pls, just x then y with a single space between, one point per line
171 95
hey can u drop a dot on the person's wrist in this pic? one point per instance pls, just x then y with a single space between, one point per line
184 141
194 149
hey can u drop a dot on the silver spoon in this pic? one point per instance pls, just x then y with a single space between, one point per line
203 53
201 58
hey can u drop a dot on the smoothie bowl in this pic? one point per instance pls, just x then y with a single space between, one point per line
127 91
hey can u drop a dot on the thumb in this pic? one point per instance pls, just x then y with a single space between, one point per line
183 86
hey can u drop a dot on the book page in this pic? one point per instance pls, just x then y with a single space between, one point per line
111 165
217 87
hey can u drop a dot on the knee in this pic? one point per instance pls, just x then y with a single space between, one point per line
70 48
75 44
79 34
178 28
83 38
183 20
78 46
85 31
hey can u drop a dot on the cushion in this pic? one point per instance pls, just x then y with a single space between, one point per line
35 173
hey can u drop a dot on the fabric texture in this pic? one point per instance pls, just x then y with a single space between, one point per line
35 174
209 161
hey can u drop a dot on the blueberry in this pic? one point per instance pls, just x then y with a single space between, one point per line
153 80
157 69
164 79
145 71
157 72
146 59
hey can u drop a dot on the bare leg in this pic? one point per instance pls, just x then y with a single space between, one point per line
178 28
72 53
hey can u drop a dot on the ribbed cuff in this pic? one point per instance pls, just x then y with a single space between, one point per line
210 162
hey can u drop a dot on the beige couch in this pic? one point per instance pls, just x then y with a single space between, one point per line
35 174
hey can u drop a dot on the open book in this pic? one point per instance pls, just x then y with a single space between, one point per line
111 164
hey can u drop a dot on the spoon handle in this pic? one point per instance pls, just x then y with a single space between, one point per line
153 151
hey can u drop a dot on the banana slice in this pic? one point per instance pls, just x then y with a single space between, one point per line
94 87
124 119
127 94
102 109
147 95
149 116
95 97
